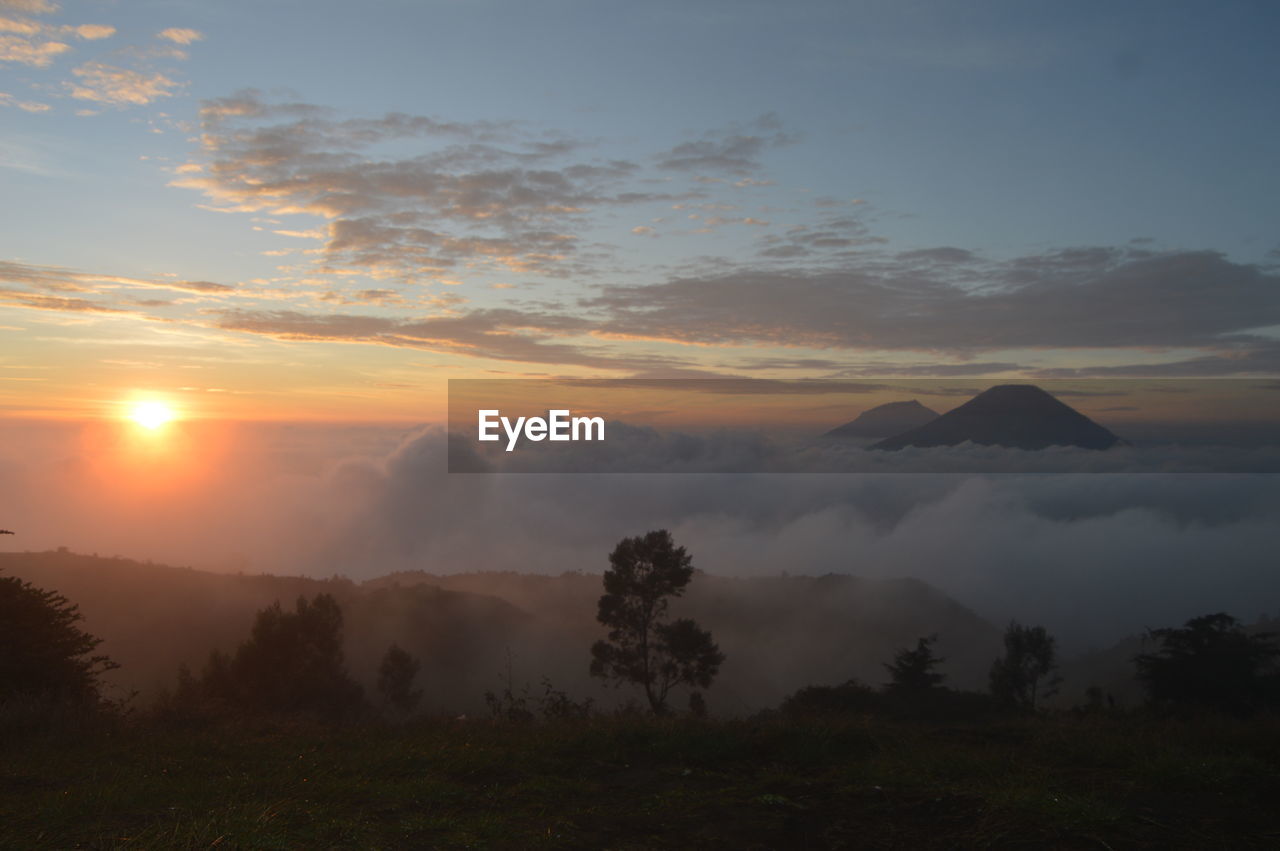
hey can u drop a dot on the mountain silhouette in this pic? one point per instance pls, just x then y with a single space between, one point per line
886 420
1019 416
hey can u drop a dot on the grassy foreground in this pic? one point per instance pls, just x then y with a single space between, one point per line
620 783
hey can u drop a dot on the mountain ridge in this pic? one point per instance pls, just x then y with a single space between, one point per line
885 420
1017 416
780 633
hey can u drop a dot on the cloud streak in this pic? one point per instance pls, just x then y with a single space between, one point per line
946 306
735 150
1071 299
504 335
180 35
25 105
59 279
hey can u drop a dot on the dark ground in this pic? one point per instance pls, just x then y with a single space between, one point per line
1062 782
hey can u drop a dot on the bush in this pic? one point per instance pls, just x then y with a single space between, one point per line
850 698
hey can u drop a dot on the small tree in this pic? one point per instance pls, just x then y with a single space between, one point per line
1210 662
395 680
43 653
643 646
1030 658
912 671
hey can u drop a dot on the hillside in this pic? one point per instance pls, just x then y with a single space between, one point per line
779 633
153 618
885 420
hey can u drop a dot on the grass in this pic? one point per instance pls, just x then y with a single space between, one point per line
623 783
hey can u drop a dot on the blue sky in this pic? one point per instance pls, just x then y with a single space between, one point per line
809 189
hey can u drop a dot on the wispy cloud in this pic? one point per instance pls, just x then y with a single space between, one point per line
61 304
1079 298
125 78
482 194
504 335
24 105
180 35
58 279
94 32
735 150
1179 313
115 86
26 50
28 41
31 7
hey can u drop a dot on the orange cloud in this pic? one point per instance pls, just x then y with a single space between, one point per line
180 35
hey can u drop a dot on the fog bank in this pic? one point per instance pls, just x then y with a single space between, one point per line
1093 557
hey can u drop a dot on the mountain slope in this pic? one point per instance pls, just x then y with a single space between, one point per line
885 420
1018 416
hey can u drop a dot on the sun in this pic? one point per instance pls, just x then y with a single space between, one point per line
151 415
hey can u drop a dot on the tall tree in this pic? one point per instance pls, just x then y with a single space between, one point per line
1024 674
644 647
1211 662
395 679
43 653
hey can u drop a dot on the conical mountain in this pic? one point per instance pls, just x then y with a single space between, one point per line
1019 416
885 420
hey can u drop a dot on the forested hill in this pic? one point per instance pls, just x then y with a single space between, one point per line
779 633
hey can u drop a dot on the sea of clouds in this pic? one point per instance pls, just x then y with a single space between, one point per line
1094 555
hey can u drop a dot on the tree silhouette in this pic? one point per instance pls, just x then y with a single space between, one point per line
911 671
1030 658
1210 662
292 662
43 653
395 680
643 646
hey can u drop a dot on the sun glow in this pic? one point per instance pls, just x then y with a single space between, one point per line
151 415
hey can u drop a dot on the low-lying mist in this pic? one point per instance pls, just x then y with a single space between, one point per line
1092 557
489 632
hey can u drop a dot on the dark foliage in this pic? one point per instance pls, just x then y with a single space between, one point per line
1211 662
850 698
936 704
510 704
1024 675
556 704
912 671
518 706
43 654
643 646
291 663
395 680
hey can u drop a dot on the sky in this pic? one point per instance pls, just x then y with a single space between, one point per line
321 211
290 224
